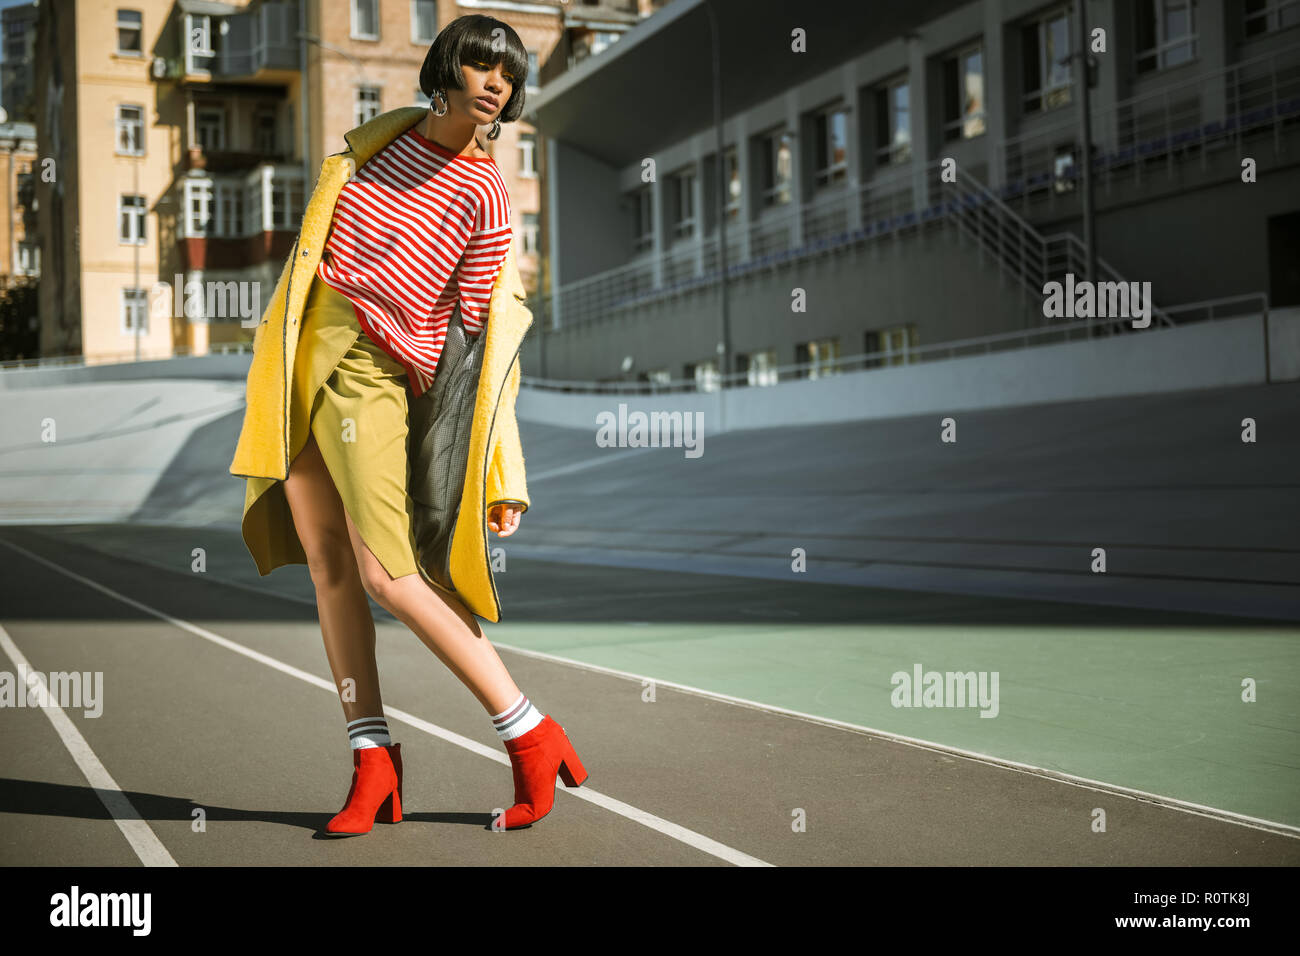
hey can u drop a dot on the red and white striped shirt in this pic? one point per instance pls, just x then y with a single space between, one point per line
418 231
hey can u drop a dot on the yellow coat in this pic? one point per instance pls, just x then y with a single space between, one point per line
262 453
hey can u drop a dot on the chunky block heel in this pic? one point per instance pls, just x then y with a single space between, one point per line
390 811
572 772
376 792
535 759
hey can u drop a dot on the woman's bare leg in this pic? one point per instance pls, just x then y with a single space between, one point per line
345 619
443 623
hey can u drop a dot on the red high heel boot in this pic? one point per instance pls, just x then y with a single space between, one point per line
376 793
535 758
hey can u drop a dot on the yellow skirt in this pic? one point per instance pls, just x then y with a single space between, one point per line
352 396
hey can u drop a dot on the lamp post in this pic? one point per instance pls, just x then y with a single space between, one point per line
1085 123
138 221
724 345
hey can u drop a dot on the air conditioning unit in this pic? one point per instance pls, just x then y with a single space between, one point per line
159 67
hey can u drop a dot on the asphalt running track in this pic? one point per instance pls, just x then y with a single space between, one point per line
217 696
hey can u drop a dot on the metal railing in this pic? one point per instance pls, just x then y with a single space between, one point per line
1255 303
260 39
1153 131
793 231
1020 250
122 358
1209 310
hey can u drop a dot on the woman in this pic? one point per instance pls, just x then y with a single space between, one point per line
405 250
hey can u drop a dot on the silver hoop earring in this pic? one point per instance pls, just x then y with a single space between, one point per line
496 129
442 95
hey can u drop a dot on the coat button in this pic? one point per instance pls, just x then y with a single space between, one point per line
304 253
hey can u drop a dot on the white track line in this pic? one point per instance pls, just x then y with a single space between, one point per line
138 833
1087 783
666 827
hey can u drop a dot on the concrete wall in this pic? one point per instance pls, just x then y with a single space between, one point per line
934 280
1197 356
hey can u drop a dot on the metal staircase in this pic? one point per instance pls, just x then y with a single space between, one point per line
1022 253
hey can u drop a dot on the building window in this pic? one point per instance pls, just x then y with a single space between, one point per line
683 200
230 210
890 346
530 84
643 228
130 26
733 184
893 124
29 259
705 375
210 126
253 203
198 206
1046 52
759 368
365 19
831 142
198 43
778 168
130 219
1166 34
286 203
596 41
1269 16
130 130
264 133
817 355
963 95
424 21
1063 171
135 314
366 104
528 155
529 245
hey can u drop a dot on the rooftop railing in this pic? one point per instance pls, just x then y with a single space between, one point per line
1208 310
1154 132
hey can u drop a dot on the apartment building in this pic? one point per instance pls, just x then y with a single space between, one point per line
22 255
900 175
187 136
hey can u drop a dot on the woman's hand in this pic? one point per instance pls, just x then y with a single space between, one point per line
504 519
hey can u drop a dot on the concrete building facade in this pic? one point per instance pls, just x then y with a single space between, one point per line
899 175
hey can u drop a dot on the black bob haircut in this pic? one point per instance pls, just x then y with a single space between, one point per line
471 38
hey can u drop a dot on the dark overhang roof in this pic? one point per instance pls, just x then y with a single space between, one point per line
655 84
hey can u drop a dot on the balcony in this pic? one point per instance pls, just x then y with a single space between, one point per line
228 160
253 47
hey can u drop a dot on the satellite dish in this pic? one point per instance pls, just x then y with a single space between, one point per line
627 363
4 117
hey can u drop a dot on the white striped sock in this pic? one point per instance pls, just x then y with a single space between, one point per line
369 732
517 719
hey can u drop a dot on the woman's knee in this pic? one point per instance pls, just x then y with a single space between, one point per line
378 584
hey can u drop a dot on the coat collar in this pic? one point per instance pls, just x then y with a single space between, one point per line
376 133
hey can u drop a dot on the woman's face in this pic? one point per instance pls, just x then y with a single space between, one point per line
487 89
